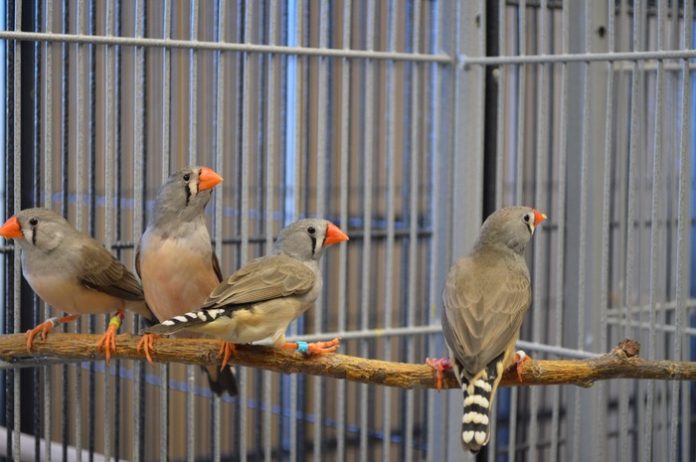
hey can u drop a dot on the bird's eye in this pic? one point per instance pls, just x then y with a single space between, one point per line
311 230
526 218
34 221
187 176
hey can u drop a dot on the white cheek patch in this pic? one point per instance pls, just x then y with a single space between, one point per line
193 187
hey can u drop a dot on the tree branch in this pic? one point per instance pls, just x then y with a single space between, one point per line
622 362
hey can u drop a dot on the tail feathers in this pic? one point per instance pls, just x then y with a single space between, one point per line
186 321
222 381
478 400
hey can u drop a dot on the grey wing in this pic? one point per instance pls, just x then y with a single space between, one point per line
100 270
262 279
483 313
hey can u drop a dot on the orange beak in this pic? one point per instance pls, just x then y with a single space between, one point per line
208 179
334 235
538 217
11 229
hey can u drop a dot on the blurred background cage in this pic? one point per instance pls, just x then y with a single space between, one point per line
405 123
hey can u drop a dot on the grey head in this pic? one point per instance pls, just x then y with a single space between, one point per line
38 230
509 228
184 195
306 239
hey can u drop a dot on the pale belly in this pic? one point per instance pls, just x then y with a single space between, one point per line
270 319
175 280
66 295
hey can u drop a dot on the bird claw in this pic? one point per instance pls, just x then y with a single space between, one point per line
225 352
146 346
314 348
45 328
320 348
440 366
107 343
520 358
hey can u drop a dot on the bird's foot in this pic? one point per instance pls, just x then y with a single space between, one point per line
440 366
320 348
520 358
146 345
107 343
225 352
314 348
45 327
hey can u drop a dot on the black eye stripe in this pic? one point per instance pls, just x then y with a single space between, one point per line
188 194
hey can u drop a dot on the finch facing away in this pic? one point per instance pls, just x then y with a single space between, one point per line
485 297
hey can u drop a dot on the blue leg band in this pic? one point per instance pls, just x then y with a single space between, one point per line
302 347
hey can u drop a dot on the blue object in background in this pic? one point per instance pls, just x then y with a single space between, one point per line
691 354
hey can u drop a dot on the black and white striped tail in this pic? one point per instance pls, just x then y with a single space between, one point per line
187 320
477 408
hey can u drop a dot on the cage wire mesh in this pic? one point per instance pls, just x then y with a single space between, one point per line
405 123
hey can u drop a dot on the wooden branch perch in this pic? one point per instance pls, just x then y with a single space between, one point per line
622 362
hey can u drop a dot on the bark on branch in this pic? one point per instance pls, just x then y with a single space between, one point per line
622 362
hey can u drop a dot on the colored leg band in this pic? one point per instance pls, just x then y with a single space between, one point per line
115 321
302 347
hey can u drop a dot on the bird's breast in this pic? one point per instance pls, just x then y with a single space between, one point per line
66 294
176 279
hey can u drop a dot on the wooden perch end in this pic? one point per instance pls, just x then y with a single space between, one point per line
622 362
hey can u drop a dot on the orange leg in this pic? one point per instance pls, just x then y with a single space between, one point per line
520 358
440 365
107 343
225 352
45 327
146 344
314 348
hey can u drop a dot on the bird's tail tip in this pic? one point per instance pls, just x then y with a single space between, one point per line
476 414
176 324
222 381
159 329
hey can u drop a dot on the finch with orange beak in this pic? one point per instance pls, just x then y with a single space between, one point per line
73 273
175 258
262 298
